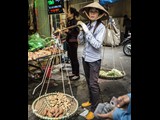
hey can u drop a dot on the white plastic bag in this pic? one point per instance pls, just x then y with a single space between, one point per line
109 38
112 36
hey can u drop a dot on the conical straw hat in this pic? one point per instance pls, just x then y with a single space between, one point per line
94 5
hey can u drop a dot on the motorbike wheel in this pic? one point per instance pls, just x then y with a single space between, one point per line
127 49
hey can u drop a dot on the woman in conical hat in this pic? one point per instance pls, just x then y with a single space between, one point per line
84 12
92 35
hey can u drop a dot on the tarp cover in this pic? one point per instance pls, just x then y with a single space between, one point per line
104 2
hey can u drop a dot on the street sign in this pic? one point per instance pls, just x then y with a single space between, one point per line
55 6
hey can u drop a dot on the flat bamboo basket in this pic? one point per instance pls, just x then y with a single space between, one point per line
112 77
40 103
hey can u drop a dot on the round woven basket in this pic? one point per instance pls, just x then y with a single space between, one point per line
112 77
39 103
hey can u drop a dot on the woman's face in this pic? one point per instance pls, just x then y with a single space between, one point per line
93 14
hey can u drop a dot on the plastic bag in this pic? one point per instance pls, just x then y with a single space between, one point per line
112 37
103 108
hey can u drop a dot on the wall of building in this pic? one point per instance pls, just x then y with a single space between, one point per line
43 24
116 10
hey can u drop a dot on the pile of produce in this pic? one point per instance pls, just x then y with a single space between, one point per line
44 52
55 106
111 73
35 42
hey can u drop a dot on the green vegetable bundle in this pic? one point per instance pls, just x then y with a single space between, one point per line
35 42
111 73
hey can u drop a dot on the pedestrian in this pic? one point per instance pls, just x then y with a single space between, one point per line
92 34
72 42
127 25
122 111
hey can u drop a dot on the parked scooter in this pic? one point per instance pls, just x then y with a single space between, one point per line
127 45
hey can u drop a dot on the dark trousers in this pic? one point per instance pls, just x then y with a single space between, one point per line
127 30
91 70
72 54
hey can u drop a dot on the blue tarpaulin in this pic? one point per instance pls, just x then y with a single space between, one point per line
104 2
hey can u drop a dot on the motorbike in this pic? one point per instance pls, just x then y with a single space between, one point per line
127 45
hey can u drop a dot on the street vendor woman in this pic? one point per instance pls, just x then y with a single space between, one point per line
92 35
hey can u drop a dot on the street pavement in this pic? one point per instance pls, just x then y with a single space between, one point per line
113 57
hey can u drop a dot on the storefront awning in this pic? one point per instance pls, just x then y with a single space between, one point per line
104 2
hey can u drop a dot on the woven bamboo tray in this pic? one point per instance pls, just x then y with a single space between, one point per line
112 77
41 103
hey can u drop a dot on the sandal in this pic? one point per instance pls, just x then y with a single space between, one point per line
90 116
86 104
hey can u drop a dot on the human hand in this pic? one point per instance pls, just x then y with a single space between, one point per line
80 28
123 100
108 116
66 30
58 31
84 27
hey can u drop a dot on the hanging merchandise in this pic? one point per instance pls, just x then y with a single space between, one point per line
114 73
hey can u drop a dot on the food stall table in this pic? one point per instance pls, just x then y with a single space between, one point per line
39 65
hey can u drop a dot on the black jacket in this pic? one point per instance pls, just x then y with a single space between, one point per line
73 33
